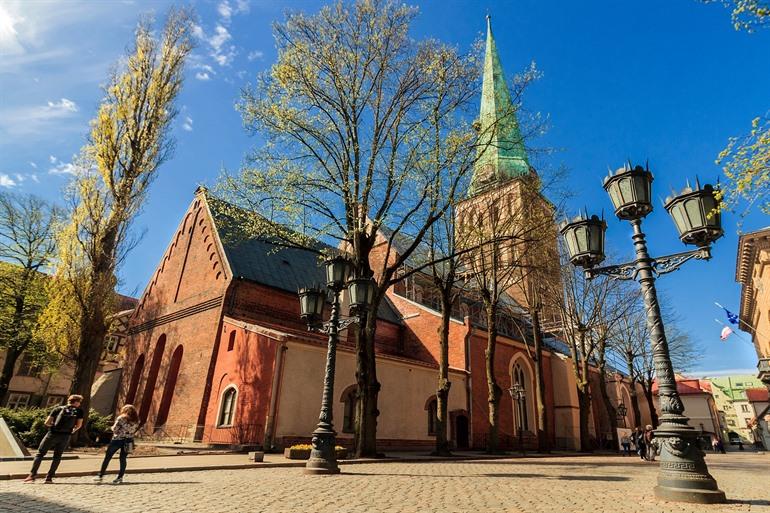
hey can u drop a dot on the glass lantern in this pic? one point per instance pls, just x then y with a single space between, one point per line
695 215
337 271
585 240
630 190
361 292
311 304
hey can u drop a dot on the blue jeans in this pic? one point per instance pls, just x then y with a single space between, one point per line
114 446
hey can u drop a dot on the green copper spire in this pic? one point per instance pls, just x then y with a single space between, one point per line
501 150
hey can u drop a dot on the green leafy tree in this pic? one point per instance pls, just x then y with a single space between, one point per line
129 141
747 15
26 248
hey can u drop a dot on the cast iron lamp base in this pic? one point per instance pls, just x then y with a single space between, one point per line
683 475
323 456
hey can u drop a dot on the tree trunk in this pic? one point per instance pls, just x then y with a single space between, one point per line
609 407
651 405
367 388
92 335
584 404
543 444
11 357
495 392
634 396
442 391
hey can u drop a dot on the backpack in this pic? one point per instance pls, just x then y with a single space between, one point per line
65 420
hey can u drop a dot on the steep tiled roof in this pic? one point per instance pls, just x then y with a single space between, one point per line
264 261
757 395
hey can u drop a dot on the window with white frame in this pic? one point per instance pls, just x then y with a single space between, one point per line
54 400
111 343
17 400
227 407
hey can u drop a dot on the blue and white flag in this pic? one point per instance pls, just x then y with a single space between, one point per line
733 318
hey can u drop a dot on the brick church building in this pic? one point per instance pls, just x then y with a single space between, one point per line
217 352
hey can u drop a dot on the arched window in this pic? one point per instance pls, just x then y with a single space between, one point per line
432 416
169 387
231 341
519 378
227 407
349 412
152 377
135 377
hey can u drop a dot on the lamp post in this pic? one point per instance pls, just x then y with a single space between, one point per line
683 472
518 395
323 456
622 413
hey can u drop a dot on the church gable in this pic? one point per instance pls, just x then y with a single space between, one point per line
192 269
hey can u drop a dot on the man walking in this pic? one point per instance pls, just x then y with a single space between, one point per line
62 422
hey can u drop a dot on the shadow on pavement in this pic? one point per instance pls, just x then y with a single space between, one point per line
27 503
750 502
521 476
129 483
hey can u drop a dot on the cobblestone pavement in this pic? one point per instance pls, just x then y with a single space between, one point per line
592 484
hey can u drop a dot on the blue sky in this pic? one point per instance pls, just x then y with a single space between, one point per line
667 81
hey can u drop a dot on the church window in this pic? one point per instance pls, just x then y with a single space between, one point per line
349 412
227 407
521 407
432 417
231 341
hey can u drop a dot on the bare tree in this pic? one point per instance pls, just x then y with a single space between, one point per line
360 122
26 248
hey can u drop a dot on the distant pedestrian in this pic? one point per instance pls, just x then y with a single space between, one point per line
62 422
648 442
641 449
714 444
740 445
123 431
625 442
721 446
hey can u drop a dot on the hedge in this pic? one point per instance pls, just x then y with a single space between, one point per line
29 424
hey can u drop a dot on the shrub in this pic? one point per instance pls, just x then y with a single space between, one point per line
29 424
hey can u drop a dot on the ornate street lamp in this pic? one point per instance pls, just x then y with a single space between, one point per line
518 394
622 413
683 474
323 457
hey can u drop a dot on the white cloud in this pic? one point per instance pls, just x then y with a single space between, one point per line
9 36
19 178
225 11
188 124
61 168
34 178
6 181
38 119
33 164
256 54
202 76
64 104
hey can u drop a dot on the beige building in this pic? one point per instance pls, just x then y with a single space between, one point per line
752 271
34 386
699 405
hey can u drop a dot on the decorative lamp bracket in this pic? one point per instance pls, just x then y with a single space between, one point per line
325 327
660 265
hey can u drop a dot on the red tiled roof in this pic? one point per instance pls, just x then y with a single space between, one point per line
687 386
757 395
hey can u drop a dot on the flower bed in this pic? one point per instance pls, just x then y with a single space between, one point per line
302 452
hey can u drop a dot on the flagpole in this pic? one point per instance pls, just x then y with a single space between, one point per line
741 321
734 332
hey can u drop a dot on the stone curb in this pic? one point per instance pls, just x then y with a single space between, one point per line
362 461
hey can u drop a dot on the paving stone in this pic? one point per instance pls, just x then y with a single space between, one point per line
594 484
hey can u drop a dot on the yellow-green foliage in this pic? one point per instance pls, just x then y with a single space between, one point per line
129 140
746 164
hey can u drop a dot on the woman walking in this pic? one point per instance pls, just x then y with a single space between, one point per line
123 431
